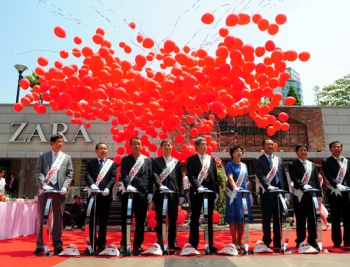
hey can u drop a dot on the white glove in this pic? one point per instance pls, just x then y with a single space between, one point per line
287 196
63 191
47 188
341 187
94 187
216 198
307 187
163 188
181 200
149 197
105 192
131 188
271 188
201 189
237 188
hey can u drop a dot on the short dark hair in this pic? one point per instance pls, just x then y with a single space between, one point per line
100 143
234 148
55 137
301 145
335 142
2 169
166 141
12 173
198 140
135 138
76 196
264 141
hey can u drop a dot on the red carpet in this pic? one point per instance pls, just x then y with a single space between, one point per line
19 251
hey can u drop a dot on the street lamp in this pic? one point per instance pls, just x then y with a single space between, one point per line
20 68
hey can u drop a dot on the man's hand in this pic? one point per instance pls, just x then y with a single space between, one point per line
163 188
63 191
201 189
149 197
94 187
47 188
237 188
307 187
105 192
271 188
181 200
341 187
216 198
131 188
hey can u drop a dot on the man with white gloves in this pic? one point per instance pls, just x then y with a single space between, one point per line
336 169
101 175
136 175
202 174
167 175
54 171
271 174
304 175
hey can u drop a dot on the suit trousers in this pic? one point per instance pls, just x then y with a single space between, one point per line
57 206
103 205
340 206
196 208
305 210
139 208
270 207
172 219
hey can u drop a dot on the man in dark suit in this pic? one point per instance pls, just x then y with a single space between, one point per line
210 182
12 185
48 180
173 181
100 175
142 182
338 201
269 201
303 204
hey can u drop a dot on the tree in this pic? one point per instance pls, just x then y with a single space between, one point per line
294 94
316 95
220 205
34 80
337 94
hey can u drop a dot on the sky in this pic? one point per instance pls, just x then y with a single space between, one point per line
320 27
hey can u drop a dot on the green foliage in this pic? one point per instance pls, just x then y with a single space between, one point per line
220 205
33 79
294 94
337 94
317 95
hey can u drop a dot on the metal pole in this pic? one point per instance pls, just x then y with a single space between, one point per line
19 79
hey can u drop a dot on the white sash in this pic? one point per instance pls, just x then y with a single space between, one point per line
340 177
168 170
55 167
232 193
305 180
271 174
204 170
101 174
134 170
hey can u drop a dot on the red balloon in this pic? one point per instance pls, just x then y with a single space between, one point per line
271 131
24 83
232 20
152 223
151 214
285 127
42 61
132 25
207 18
60 32
270 46
223 32
272 29
77 40
216 217
263 24
281 19
140 60
283 116
148 43
304 56
289 101
18 107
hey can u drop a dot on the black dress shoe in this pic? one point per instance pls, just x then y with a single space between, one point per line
137 251
101 248
39 252
277 245
174 247
336 245
213 249
57 251
297 244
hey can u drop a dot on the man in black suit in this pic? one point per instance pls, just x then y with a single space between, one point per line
209 181
142 182
269 201
100 175
167 175
12 185
304 175
336 169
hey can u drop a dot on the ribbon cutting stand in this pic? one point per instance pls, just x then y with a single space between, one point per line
46 231
164 226
205 211
246 220
129 220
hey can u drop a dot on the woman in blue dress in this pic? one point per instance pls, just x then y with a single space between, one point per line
236 179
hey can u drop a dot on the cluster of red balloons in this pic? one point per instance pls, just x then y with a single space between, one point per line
185 98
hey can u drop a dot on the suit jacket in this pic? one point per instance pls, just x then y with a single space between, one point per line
194 166
14 186
331 168
296 172
173 181
262 168
143 181
92 171
65 172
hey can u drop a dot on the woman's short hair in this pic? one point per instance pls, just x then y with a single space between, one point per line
234 148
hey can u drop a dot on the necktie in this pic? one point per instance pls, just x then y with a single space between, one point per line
101 163
54 179
339 160
11 183
304 164
276 176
